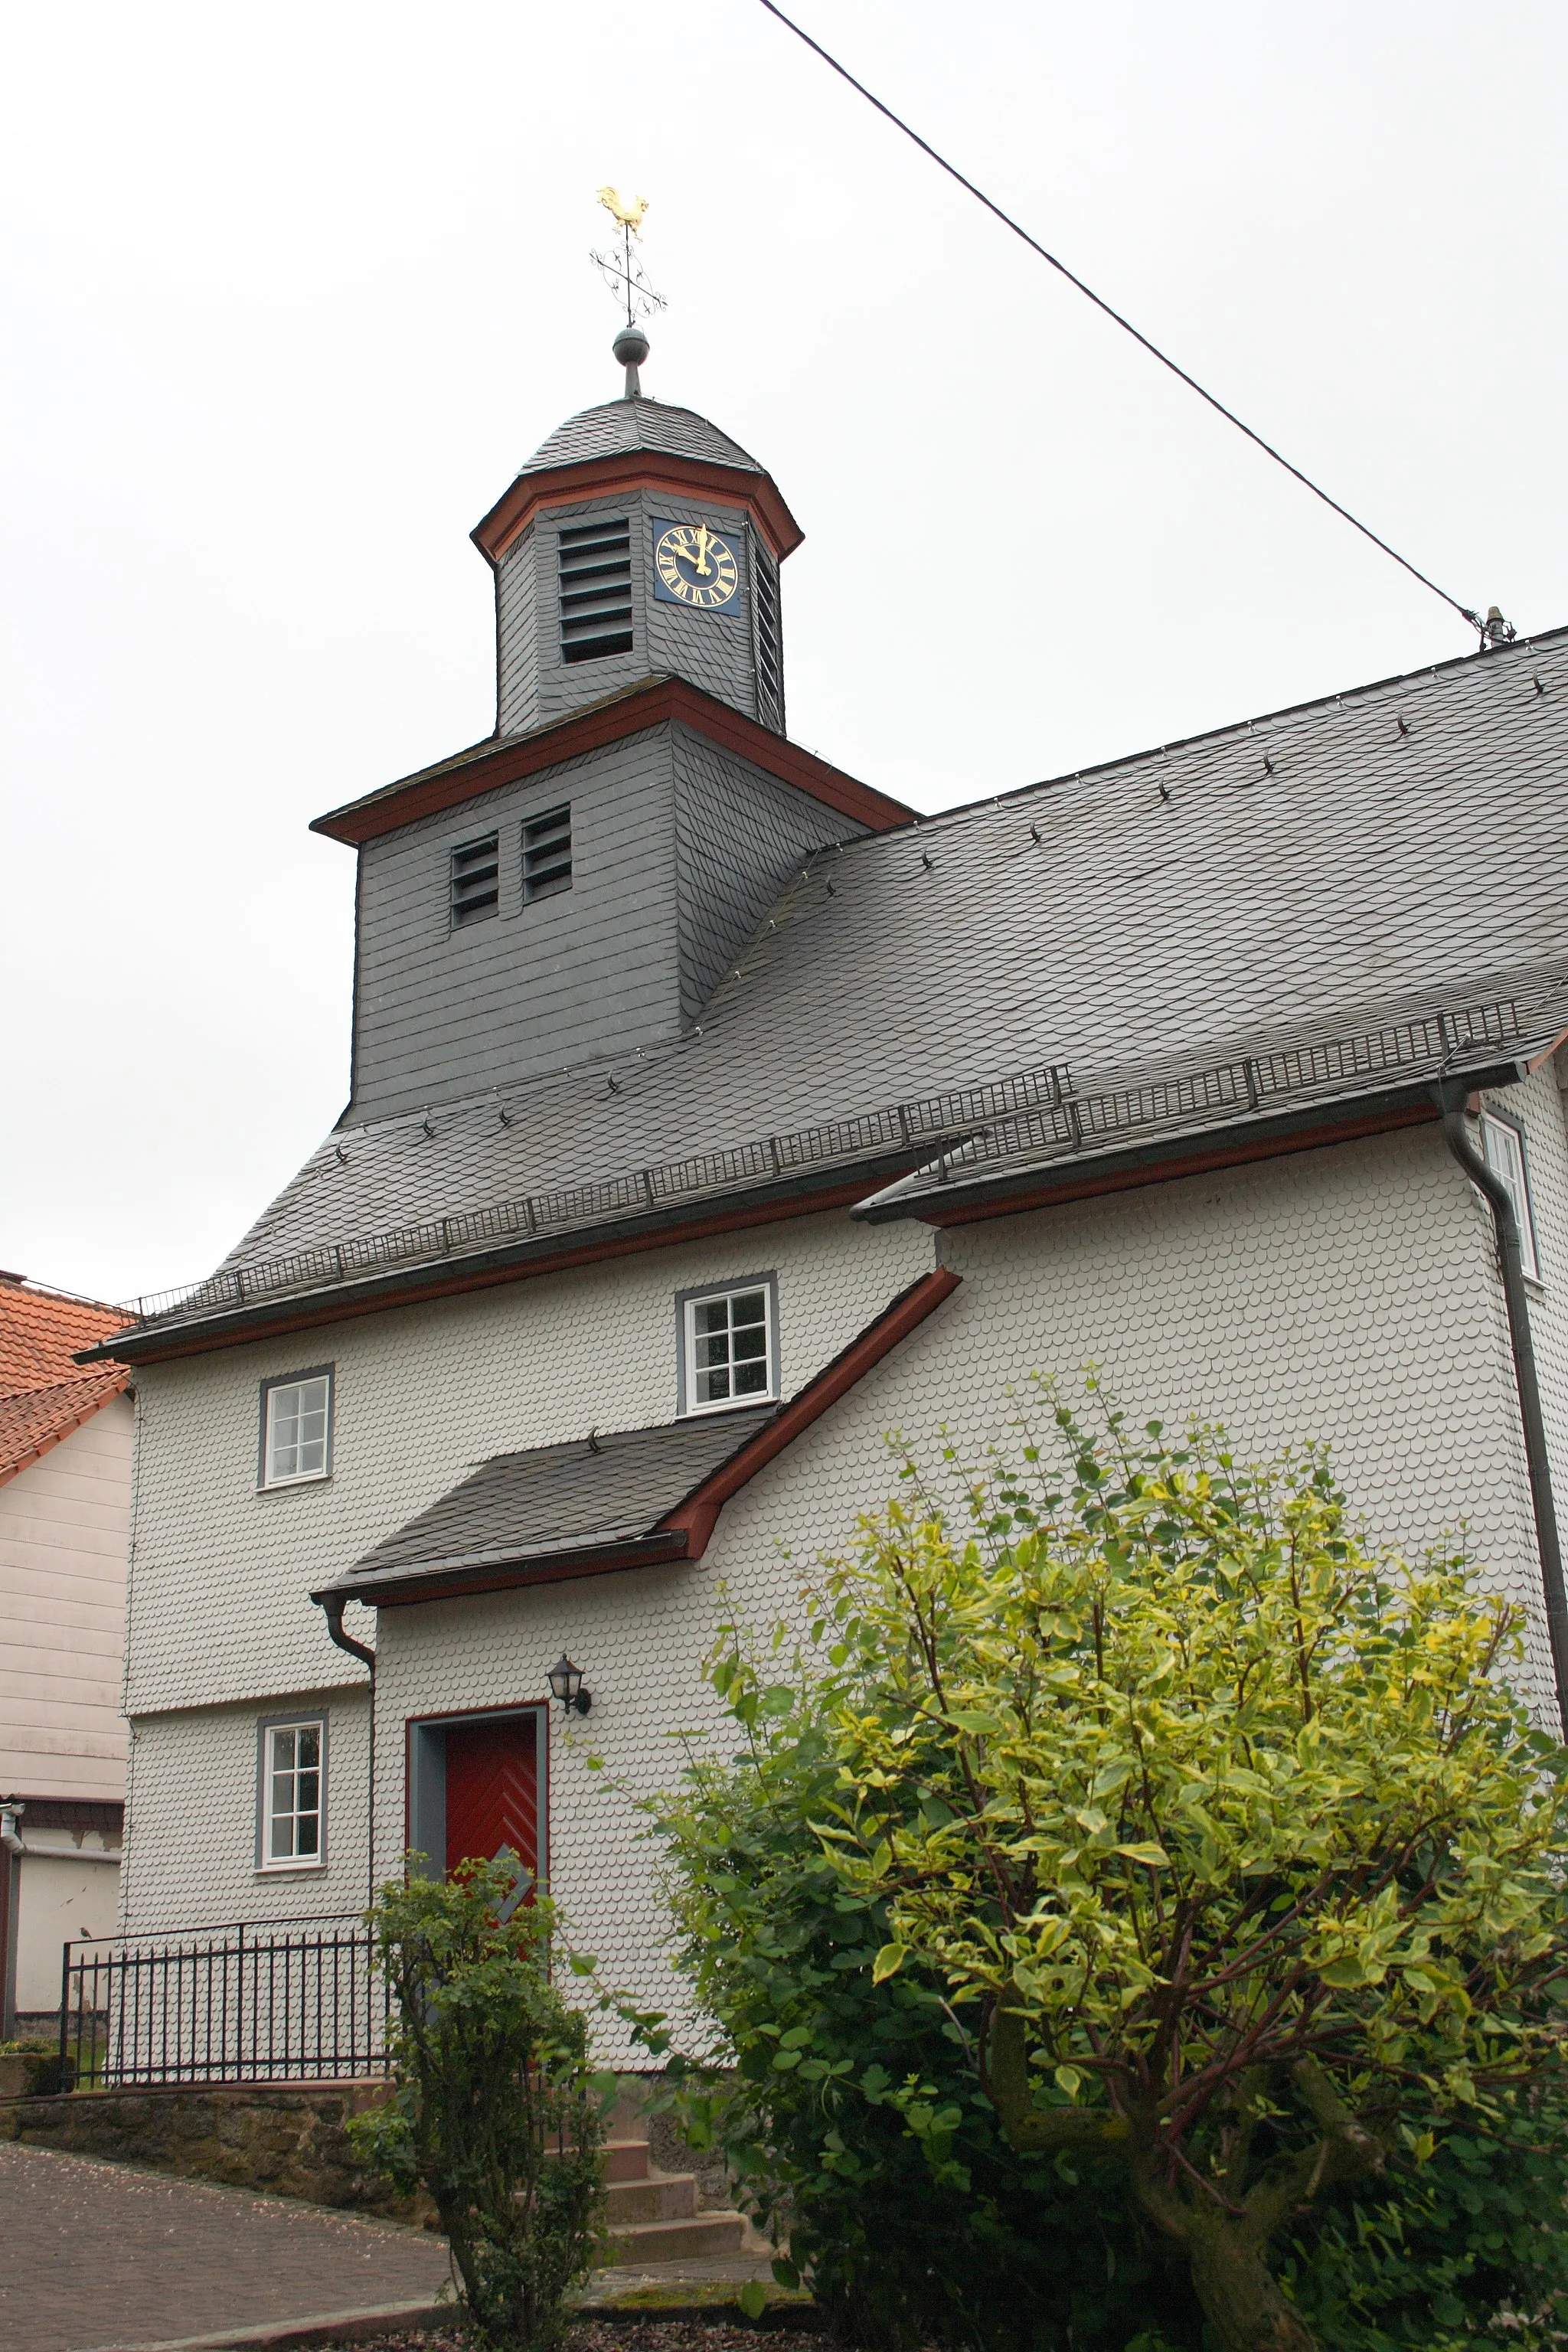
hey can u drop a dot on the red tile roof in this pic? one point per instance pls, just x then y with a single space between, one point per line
44 1396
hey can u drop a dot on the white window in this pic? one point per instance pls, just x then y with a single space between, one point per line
296 1428
1504 1147
292 1787
729 1350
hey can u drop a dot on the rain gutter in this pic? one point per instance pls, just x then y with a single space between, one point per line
837 1186
1452 1095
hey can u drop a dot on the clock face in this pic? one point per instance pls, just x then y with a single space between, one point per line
694 565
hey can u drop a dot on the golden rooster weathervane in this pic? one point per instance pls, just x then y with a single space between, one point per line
626 215
622 274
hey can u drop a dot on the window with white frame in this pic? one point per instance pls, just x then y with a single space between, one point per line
293 1785
297 1427
1504 1147
729 1346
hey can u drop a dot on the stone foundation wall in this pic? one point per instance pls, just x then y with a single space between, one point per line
289 2138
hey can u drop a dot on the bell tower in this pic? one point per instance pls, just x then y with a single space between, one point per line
638 540
576 887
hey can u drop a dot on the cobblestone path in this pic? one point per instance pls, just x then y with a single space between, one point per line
100 2255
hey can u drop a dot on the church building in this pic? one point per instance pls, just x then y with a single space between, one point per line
713 1114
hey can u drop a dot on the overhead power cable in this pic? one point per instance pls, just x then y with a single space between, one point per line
1125 324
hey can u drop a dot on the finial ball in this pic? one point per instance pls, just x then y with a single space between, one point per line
630 346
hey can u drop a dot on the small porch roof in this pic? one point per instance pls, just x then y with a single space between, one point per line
630 1498
553 1508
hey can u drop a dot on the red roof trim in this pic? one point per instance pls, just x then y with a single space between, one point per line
699 1515
310 1312
1197 1163
634 469
588 731
684 1533
645 1552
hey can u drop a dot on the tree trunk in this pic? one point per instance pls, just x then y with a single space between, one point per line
1241 2301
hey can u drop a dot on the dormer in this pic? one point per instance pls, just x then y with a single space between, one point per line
638 539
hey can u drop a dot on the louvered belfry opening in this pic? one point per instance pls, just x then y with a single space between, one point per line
547 855
595 565
476 880
770 643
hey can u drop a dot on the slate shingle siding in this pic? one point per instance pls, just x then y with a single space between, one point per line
678 850
1372 876
443 1013
1349 1294
740 837
423 1394
1541 1107
518 593
714 650
1342 1293
191 1817
616 426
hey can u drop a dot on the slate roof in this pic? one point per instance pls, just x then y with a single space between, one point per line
1327 872
44 1393
620 426
552 1499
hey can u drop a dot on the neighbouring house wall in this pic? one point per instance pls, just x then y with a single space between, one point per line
1349 1295
63 1895
64 1525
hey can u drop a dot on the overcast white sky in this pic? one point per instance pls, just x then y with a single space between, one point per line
288 294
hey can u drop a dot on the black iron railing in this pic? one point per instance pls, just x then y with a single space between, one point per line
1043 1112
286 2001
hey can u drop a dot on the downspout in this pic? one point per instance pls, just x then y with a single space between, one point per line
11 1894
1452 1096
332 1606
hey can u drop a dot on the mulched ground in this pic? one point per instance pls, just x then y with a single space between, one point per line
634 2336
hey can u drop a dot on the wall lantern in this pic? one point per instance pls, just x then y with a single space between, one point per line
566 1684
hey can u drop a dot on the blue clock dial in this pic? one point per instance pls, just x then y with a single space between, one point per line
694 565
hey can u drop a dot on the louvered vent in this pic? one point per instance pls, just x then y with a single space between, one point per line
770 652
547 855
596 560
476 880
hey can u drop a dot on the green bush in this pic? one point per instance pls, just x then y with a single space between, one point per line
878 2153
1222 1876
1468 2248
496 2111
854 2121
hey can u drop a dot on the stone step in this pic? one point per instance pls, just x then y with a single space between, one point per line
671 2197
626 2160
677 2241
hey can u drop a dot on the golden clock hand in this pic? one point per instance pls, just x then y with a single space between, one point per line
699 562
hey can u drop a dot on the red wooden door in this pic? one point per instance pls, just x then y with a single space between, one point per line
492 1789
